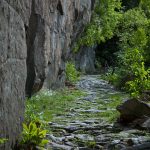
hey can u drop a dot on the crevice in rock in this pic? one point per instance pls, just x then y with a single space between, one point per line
30 37
92 4
60 8
76 15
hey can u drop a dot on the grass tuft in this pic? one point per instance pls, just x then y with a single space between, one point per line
46 104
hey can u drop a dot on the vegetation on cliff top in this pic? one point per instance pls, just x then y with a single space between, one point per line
130 23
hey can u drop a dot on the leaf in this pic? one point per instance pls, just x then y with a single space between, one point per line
43 142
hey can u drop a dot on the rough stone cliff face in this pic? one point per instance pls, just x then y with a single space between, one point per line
85 60
35 40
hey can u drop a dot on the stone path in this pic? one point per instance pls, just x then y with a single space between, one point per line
85 128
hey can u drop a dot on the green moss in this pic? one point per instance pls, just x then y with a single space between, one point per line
91 144
3 140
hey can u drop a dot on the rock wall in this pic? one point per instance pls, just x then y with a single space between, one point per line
35 41
12 73
53 27
85 60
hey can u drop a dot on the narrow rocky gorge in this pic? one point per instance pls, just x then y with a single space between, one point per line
37 41
36 37
84 127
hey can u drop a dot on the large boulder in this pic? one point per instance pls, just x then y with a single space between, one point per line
133 109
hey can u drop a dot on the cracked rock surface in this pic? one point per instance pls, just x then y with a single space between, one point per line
36 37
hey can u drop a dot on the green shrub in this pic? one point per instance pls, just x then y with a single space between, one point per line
141 82
33 136
30 112
105 19
133 29
132 75
72 75
111 77
2 140
117 77
133 62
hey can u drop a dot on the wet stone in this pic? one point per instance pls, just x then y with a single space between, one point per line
84 137
60 146
103 138
91 121
116 147
91 111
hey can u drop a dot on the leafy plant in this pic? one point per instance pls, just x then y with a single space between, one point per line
30 112
133 29
145 5
72 75
105 19
141 81
3 140
133 33
33 136
133 61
